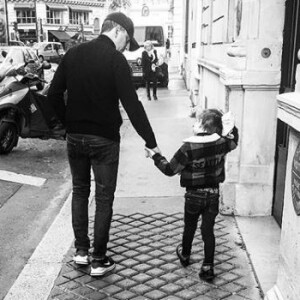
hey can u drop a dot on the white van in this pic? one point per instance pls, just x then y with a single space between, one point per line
156 35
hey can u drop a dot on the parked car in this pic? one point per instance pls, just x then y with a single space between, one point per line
17 56
50 51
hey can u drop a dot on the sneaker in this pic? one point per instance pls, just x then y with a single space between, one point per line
81 257
100 267
154 97
207 273
149 98
184 260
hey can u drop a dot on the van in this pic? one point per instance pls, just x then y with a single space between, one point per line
156 35
50 51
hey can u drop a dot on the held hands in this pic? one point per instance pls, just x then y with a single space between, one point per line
150 152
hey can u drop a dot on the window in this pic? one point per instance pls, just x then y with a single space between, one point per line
25 15
54 16
218 21
152 33
79 17
48 47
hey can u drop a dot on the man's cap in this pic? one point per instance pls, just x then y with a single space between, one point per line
127 24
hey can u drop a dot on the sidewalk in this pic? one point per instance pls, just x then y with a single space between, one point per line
146 228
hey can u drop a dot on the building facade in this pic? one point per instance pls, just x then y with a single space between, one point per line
54 20
243 56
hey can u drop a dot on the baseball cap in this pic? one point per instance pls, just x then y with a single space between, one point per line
127 24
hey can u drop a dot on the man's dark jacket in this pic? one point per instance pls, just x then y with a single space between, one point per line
96 76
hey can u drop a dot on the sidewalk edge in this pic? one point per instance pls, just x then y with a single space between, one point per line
37 277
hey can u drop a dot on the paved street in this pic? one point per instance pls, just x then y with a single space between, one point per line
146 228
143 247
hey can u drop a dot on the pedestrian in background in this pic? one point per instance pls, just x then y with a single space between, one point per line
200 161
149 64
96 76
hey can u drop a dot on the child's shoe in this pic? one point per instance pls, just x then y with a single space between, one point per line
184 260
207 273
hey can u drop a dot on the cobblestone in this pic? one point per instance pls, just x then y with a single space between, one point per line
143 247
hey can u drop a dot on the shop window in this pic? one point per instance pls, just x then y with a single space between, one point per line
54 16
79 17
25 15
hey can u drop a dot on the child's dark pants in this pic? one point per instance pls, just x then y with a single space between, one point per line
198 202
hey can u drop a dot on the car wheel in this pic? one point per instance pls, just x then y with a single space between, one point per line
8 137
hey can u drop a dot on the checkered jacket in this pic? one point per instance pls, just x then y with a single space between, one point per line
200 160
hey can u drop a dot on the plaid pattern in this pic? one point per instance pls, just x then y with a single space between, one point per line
200 164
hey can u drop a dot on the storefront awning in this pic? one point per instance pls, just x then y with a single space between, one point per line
57 7
24 6
71 33
80 8
61 35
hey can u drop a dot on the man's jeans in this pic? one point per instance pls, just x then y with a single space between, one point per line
198 203
102 155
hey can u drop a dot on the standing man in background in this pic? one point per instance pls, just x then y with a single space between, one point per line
96 76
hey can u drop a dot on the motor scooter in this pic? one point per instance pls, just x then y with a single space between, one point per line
24 111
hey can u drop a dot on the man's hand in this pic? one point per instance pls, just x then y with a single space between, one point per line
150 152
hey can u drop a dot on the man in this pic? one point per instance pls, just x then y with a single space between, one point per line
96 75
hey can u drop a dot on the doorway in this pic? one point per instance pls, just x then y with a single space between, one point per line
290 48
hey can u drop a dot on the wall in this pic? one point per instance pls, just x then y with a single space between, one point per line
235 74
287 285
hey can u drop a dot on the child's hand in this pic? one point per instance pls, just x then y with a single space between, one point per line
228 124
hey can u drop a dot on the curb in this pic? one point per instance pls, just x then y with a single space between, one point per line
38 275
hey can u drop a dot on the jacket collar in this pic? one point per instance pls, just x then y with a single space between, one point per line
104 38
206 138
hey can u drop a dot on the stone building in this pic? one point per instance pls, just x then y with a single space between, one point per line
242 55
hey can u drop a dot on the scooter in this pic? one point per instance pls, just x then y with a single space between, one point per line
24 111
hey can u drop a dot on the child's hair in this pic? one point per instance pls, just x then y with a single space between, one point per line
211 121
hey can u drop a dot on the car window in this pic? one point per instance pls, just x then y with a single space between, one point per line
48 47
151 33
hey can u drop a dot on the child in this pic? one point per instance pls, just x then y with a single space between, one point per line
200 160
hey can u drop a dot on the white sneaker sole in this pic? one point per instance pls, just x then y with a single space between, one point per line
81 260
101 271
